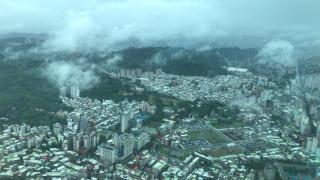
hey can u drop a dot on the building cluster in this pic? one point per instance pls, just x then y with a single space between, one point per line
73 91
61 150
110 140
121 146
277 112
33 41
33 152
312 146
106 115
190 88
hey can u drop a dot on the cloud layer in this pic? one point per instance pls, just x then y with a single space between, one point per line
63 73
102 24
278 52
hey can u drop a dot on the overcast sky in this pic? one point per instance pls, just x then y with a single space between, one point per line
101 23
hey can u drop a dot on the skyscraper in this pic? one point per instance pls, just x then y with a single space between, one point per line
125 124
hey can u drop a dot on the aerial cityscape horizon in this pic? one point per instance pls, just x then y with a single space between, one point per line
159 89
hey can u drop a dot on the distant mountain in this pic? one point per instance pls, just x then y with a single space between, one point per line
22 35
185 61
16 41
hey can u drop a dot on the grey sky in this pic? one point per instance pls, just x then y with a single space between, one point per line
102 23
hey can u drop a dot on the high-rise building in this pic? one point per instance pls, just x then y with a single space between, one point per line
141 140
83 124
318 152
305 127
124 144
159 71
309 144
108 153
70 141
144 106
125 121
314 145
63 91
87 142
74 91
298 119
132 114
133 122
57 128
318 130
76 143
94 139
31 143
65 145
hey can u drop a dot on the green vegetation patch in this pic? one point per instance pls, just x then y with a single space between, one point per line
220 124
210 135
223 151
177 153
26 96
167 101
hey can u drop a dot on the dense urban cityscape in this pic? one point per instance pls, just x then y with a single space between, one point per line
159 90
104 139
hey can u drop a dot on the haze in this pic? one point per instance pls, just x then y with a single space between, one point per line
97 25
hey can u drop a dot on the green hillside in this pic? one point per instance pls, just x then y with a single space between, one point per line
25 96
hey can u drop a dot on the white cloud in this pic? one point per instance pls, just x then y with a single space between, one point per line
63 73
114 60
102 24
278 52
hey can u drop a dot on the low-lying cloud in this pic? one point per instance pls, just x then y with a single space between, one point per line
118 24
95 25
158 59
278 53
67 74
114 60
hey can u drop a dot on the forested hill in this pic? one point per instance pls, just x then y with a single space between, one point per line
184 61
26 96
